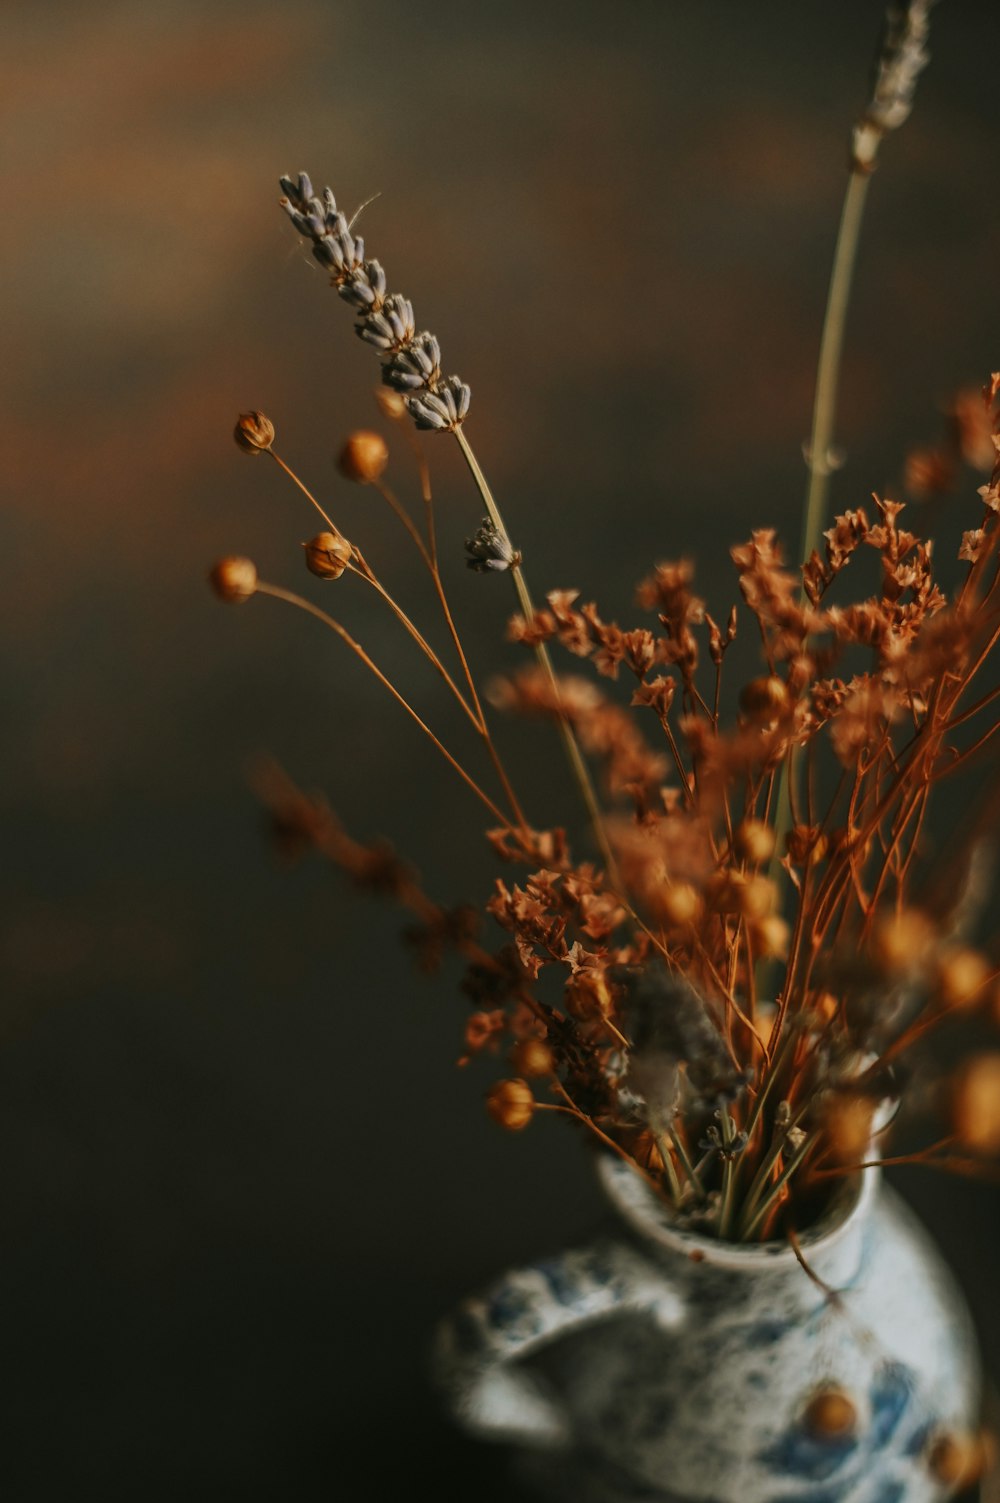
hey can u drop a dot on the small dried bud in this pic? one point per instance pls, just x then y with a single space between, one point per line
363 457
391 403
678 903
254 432
328 555
830 1414
511 1104
754 841
770 937
962 977
976 1103
902 941
489 549
588 994
234 579
958 1459
848 1122
532 1057
756 896
764 698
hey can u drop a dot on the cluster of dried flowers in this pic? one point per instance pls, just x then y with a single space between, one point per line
731 1006
733 995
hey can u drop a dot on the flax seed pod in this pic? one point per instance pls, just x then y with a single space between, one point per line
234 579
328 555
363 457
254 433
754 841
511 1104
532 1057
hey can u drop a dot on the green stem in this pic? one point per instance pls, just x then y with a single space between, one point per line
820 469
793 1164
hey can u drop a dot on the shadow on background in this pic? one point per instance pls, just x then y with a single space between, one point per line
240 1175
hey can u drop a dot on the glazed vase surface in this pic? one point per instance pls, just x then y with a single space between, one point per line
659 1366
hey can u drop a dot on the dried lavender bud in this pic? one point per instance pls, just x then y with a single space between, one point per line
901 58
489 549
391 328
442 409
417 366
364 287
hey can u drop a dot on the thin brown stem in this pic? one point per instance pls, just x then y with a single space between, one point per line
277 593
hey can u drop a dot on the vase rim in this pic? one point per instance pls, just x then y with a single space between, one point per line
639 1206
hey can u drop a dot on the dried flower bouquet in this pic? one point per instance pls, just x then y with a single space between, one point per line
737 990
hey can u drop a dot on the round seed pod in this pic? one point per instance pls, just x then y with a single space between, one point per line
848 1122
532 1057
392 403
756 897
975 1103
770 937
754 841
678 903
234 579
830 1414
962 977
764 698
901 941
327 555
253 432
511 1104
363 457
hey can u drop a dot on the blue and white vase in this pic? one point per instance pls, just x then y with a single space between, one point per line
660 1366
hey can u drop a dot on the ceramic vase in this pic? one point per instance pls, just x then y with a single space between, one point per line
660 1366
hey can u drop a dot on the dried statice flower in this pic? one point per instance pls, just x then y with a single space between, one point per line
489 549
901 58
411 362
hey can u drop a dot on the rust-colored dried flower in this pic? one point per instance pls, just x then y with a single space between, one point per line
234 579
532 1057
254 433
363 457
588 994
806 844
975 1103
511 1104
328 555
830 1413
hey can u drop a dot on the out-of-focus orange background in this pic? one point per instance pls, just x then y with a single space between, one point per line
239 1174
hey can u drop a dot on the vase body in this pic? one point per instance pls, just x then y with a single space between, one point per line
658 1366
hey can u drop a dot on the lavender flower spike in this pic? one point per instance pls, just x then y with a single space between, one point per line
411 362
902 57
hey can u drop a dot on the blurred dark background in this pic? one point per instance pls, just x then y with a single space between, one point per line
240 1176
